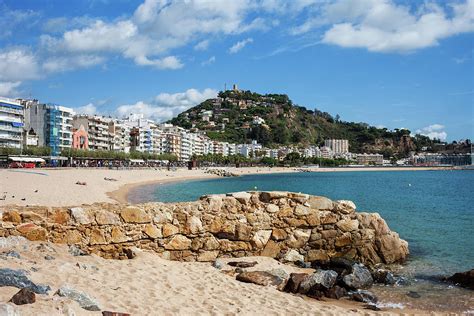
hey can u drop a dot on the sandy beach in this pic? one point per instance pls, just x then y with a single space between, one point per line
57 187
148 285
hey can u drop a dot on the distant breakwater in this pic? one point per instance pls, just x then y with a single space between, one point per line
275 224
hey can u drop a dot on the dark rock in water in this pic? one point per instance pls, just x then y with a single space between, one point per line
383 276
363 296
259 277
84 300
107 313
294 282
18 278
76 251
464 279
402 281
336 292
320 280
242 264
24 296
413 294
360 278
10 253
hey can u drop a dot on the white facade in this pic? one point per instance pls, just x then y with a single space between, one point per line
12 117
249 150
338 146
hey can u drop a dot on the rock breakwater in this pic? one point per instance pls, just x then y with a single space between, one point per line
283 225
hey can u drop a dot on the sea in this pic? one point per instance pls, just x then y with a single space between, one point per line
432 209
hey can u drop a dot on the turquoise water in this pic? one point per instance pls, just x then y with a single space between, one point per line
432 210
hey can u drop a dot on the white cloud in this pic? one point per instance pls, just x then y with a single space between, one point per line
165 105
11 20
209 61
384 26
240 45
156 28
62 24
58 64
433 131
169 62
202 45
18 64
89 109
8 89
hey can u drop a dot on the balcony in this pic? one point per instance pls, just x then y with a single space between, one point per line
5 118
10 128
9 110
10 137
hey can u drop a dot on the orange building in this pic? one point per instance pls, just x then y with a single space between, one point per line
80 139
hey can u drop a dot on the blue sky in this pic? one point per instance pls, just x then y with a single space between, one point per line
398 64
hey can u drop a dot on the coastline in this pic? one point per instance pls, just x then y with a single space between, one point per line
100 190
57 187
121 195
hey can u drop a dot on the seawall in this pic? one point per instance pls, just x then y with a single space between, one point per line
274 224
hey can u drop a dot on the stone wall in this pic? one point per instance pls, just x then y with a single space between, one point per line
283 225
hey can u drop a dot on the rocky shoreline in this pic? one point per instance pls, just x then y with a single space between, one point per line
339 253
273 224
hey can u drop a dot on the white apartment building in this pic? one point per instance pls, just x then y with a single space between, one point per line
249 150
271 153
197 144
51 123
11 123
338 146
120 136
312 151
186 146
326 152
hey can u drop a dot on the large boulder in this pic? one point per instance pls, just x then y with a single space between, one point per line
319 280
294 282
360 278
464 279
84 300
383 276
259 277
336 292
18 278
391 248
24 296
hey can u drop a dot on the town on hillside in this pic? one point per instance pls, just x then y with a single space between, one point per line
33 133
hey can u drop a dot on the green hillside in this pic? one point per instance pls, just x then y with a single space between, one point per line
236 117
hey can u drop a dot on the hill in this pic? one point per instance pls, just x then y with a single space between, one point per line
273 120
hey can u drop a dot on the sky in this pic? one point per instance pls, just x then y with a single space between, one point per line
394 64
